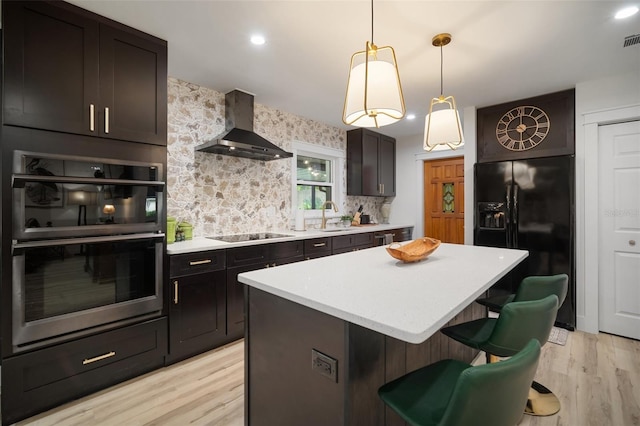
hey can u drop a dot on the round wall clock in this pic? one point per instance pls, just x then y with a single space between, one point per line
522 128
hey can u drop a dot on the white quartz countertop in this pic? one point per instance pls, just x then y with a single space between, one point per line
203 244
407 301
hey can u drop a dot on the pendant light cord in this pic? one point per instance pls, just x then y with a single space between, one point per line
441 73
372 22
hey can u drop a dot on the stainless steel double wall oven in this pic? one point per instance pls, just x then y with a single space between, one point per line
87 242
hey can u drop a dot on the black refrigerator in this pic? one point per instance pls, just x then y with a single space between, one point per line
530 205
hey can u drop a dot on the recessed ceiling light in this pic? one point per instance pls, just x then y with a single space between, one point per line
626 12
257 39
411 116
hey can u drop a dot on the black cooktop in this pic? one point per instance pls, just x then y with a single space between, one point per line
248 237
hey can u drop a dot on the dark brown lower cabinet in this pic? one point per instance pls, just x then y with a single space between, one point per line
197 299
317 247
353 242
40 380
251 258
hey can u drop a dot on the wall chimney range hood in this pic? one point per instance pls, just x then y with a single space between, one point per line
238 139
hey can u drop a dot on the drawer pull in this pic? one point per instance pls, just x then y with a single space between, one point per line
199 262
106 120
98 358
175 292
320 244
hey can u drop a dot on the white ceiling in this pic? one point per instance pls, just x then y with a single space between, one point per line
501 50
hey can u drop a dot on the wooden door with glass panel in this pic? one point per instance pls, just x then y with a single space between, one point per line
444 199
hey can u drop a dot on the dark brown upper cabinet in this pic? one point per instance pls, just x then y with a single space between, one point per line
371 163
69 70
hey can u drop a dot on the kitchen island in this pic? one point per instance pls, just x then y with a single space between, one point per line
323 335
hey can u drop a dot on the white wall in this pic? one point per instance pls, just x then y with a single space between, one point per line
408 206
614 98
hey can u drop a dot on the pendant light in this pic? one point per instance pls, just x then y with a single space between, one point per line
442 127
374 94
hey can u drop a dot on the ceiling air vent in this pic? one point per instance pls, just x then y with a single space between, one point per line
631 40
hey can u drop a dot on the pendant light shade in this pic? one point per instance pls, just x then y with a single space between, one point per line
374 93
442 127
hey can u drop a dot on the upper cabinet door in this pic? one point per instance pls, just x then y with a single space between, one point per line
51 67
370 172
371 163
133 87
387 166
72 71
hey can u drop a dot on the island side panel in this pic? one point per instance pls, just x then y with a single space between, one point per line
375 359
283 389
281 386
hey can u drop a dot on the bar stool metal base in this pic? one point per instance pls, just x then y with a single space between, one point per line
541 402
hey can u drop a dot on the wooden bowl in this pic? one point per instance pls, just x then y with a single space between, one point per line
414 251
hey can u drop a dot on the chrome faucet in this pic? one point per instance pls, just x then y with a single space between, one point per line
323 225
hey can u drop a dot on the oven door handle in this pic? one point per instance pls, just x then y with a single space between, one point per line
85 240
19 181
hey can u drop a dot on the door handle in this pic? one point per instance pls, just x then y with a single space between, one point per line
92 118
175 292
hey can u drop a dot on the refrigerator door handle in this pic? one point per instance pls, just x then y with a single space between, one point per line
507 225
515 216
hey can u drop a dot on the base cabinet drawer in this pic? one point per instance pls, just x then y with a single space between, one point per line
317 247
40 380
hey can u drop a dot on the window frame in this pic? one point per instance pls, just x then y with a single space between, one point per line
338 159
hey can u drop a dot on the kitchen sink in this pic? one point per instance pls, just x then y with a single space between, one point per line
248 237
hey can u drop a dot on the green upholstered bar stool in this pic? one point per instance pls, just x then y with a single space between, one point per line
451 392
531 288
508 334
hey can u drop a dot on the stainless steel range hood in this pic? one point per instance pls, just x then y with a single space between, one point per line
238 139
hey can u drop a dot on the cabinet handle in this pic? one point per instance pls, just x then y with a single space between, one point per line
98 358
92 117
632 243
106 120
199 262
320 244
382 189
175 292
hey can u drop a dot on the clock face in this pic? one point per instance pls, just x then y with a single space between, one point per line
522 128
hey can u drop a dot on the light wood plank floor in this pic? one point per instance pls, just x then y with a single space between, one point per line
597 378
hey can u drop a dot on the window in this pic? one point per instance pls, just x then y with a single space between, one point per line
314 178
319 172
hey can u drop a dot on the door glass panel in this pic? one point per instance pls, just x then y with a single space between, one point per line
448 197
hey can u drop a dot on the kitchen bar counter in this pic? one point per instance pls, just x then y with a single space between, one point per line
321 336
407 301
203 244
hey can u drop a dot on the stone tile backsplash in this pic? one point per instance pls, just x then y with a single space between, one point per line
224 195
